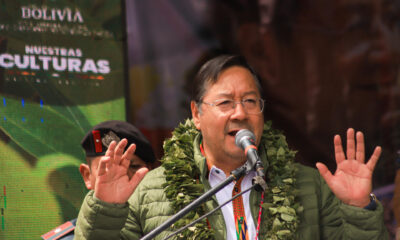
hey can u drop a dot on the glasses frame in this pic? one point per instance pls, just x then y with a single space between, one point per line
213 104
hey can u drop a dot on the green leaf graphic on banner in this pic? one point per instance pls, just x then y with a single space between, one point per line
63 71
49 186
41 129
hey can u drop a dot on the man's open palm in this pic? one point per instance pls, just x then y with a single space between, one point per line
352 181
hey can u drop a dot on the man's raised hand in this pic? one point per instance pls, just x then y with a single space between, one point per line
352 181
112 181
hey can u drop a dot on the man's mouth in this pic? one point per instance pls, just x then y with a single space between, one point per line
233 133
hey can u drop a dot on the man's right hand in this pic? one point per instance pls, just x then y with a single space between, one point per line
112 181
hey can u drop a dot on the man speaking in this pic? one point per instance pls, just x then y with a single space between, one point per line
296 204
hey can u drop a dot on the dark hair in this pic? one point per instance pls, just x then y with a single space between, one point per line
89 161
209 72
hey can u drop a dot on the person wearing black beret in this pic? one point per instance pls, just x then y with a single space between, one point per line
95 144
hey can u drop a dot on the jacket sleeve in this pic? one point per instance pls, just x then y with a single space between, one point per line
326 216
342 221
100 220
146 209
355 223
365 224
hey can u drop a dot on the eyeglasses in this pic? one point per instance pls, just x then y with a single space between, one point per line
250 105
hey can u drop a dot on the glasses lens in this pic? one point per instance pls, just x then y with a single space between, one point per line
225 105
253 106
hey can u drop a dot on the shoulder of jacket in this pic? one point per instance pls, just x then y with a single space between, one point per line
155 176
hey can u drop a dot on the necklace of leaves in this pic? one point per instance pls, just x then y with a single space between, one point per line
280 208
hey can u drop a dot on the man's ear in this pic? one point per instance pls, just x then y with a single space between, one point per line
85 172
195 114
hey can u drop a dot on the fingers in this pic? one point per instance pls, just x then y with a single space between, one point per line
128 155
360 152
325 173
374 158
339 154
119 151
138 176
350 144
104 161
115 155
115 151
111 148
355 149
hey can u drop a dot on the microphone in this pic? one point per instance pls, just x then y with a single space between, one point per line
246 140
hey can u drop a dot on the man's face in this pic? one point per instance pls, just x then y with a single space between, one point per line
89 175
218 128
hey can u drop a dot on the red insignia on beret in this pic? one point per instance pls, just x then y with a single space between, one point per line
97 141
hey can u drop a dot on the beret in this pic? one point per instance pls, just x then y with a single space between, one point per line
97 140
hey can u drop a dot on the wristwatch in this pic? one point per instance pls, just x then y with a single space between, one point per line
372 204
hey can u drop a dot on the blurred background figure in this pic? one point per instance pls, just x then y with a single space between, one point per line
311 52
95 144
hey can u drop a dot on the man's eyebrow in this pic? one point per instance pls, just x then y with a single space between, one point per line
230 94
250 93
224 95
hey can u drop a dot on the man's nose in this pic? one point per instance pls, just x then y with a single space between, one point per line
239 111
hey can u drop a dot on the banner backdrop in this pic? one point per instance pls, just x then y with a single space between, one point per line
61 72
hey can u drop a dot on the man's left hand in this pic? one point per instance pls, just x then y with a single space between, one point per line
352 181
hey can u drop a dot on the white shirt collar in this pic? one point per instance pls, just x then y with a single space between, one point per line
215 177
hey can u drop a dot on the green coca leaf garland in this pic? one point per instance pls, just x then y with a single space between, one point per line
280 209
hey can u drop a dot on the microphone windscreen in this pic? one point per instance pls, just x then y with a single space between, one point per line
244 134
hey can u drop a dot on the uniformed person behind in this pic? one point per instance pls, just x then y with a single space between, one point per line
95 144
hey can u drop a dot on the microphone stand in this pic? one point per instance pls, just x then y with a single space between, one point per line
209 213
259 185
235 174
259 179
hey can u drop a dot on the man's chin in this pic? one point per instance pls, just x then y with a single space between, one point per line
237 156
